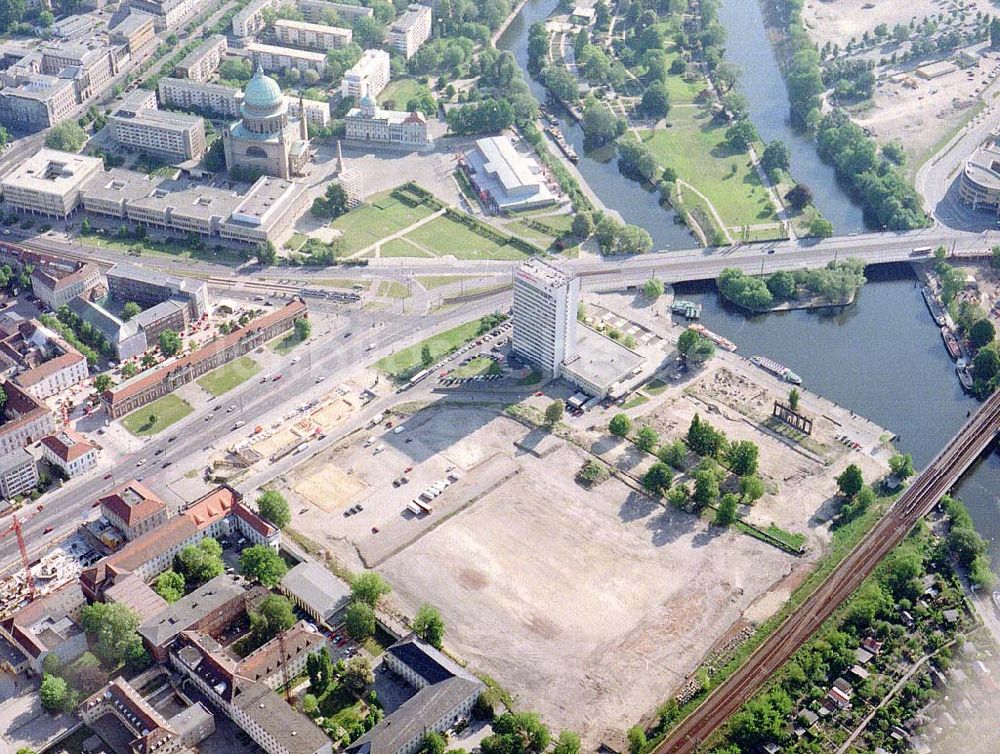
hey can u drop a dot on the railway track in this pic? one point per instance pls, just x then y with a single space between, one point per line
918 500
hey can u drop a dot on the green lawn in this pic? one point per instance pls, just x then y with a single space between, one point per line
636 400
393 289
431 282
400 91
655 387
695 147
446 237
225 378
404 363
295 241
284 343
480 365
400 247
381 216
167 410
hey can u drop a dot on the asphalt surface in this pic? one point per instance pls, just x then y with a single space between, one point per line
916 501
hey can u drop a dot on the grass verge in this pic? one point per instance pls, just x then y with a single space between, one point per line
403 364
225 378
166 410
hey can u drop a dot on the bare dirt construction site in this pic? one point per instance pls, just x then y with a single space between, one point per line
837 21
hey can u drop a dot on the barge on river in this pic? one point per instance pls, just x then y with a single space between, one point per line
769 365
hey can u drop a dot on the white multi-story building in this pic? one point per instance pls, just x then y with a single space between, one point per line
18 474
272 58
187 94
200 63
70 452
317 11
368 77
311 36
369 123
411 30
49 182
174 136
545 304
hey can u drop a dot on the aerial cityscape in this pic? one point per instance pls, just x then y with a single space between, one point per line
499 377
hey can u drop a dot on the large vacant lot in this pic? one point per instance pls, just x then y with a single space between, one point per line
590 607
837 21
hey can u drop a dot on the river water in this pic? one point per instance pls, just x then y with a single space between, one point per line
747 45
882 356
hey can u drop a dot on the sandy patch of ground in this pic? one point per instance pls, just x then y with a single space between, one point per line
920 113
590 606
333 413
327 486
837 21
276 442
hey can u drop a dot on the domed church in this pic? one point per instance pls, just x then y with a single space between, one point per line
266 139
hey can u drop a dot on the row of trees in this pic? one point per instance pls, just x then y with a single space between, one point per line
836 283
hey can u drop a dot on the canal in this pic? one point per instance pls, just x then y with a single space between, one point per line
748 46
882 356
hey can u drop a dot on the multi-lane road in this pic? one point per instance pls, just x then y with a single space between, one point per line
922 495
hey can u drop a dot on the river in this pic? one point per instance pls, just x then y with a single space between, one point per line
883 355
747 46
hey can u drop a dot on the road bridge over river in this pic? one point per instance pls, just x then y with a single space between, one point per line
916 501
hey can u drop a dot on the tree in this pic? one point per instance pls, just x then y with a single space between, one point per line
11 12
583 225
725 514
274 508
429 625
820 227
636 740
170 585
359 620
274 615
170 343
674 454
334 202
554 412
995 33
567 743
646 439
620 425
310 704
129 369
741 457
741 135
516 733
426 357
751 488
706 487
358 674
653 288
981 333
902 466
782 285
775 157
66 136
112 628
303 329
726 75
266 253
704 439
130 310
850 481
658 478
200 562
368 32
793 399
369 587
655 101
799 196
54 692
101 383
261 563
433 743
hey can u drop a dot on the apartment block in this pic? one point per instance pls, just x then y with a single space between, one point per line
34 102
205 97
311 36
201 63
168 14
137 32
173 136
408 32
18 474
317 11
368 77
272 58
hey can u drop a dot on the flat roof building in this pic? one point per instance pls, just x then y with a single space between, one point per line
315 11
161 133
311 36
200 63
36 101
186 94
18 473
49 182
408 32
137 31
544 314
600 363
505 178
368 77
274 58
979 185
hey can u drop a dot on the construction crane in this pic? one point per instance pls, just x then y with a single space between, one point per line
15 527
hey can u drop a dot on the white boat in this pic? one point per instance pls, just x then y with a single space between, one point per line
772 366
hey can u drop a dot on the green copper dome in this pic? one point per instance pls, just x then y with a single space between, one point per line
262 92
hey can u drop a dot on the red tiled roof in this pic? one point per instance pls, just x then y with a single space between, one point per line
46 369
213 506
154 376
132 502
67 451
263 661
254 521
